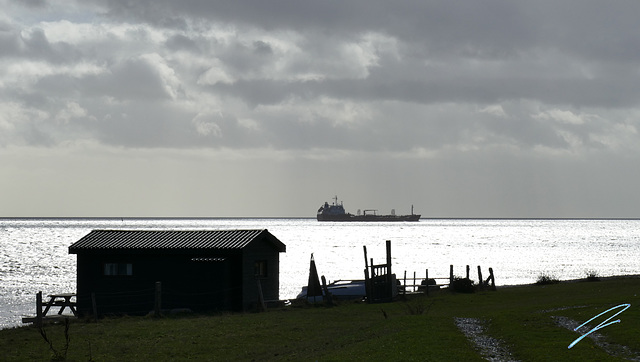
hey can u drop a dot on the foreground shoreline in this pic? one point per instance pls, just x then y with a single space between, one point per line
529 322
576 280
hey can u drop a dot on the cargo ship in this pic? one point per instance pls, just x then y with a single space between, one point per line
336 212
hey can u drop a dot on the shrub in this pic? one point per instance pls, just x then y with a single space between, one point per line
544 279
430 284
463 285
593 276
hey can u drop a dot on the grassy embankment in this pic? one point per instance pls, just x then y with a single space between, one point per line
419 328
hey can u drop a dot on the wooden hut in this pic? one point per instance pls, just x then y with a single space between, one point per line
131 271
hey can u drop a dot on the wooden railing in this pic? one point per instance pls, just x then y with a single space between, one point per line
418 284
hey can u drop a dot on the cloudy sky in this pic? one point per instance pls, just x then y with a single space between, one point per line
269 108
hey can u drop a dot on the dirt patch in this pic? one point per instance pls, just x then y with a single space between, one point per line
490 348
598 339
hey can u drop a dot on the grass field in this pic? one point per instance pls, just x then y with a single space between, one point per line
416 328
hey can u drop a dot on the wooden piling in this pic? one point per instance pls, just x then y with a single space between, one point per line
493 280
367 286
39 309
328 297
414 282
366 266
480 280
390 282
451 278
426 273
404 290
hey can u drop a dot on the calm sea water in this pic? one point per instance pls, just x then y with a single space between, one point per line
34 252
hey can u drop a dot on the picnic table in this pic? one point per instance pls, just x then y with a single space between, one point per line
62 300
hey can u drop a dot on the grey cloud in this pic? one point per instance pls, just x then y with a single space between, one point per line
127 81
494 108
9 43
502 31
180 42
35 3
472 54
34 45
134 79
261 47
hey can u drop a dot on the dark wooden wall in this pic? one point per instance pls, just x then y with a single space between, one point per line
212 285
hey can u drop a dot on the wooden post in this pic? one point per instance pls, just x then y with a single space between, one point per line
414 282
39 309
388 256
365 257
467 272
480 281
404 290
493 281
451 278
158 300
426 277
390 280
94 305
367 285
327 295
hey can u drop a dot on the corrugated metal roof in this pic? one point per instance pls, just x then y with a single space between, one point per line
171 239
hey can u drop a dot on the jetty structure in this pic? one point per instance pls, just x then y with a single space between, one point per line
381 285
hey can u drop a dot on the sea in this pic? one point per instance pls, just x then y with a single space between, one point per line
34 251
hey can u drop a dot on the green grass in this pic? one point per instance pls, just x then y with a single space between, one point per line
420 328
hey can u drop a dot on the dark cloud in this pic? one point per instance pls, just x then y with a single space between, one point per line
180 42
493 104
35 3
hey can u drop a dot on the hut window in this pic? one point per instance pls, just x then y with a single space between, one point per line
261 269
118 269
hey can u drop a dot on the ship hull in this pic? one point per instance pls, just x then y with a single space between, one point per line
336 212
371 218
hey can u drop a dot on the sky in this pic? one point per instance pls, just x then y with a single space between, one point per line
203 108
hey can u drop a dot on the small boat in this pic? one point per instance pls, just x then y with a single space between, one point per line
340 289
336 212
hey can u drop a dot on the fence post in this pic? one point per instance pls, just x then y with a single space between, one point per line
327 294
480 281
390 280
451 278
39 309
366 266
493 280
404 290
426 272
367 286
414 282
158 300
467 271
